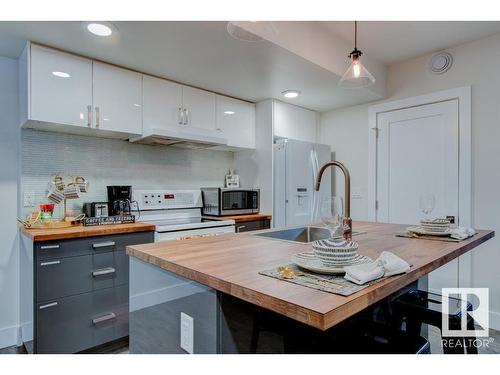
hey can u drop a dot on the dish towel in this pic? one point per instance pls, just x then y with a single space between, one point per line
387 264
461 233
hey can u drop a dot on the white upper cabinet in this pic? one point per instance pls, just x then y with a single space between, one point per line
306 124
162 103
117 99
60 87
294 122
284 120
236 121
199 108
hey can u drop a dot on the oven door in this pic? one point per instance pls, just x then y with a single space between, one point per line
235 202
186 234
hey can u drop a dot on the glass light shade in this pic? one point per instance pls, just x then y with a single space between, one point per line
356 76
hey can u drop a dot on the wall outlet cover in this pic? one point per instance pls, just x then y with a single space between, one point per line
187 333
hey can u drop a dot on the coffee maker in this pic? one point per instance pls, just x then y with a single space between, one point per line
119 198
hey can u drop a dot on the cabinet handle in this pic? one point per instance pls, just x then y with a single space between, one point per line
89 116
47 247
50 263
180 116
103 271
103 244
240 227
52 304
103 318
186 116
97 117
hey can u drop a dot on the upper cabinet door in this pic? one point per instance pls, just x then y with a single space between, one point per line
117 99
306 124
60 87
284 120
236 121
162 103
199 107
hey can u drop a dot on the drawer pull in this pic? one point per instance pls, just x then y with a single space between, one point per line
52 304
103 318
103 244
47 247
103 271
50 263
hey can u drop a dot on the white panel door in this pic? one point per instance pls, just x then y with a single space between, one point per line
305 125
299 183
117 99
284 120
417 152
236 120
162 103
199 108
61 87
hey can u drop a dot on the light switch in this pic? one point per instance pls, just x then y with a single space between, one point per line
187 333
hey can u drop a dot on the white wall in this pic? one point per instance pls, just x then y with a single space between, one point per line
475 64
9 176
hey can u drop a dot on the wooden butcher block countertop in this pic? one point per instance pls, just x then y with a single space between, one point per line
241 218
231 263
39 235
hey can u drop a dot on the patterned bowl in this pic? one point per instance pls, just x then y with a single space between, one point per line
335 251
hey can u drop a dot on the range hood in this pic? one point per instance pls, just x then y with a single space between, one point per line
186 137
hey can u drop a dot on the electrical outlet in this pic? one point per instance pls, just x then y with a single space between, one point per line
29 199
187 333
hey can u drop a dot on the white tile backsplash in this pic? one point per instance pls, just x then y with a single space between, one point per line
114 162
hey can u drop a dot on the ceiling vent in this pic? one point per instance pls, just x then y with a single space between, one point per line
440 63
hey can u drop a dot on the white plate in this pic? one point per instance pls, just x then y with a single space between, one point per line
423 231
308 261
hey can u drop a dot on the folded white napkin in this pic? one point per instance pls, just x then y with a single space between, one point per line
461 233
387 264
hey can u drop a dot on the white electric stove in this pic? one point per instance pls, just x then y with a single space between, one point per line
176 214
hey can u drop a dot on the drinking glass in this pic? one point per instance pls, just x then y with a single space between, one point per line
332 214
427 203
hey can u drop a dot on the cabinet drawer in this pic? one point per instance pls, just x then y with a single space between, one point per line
248 226
90 245
76 323
63 277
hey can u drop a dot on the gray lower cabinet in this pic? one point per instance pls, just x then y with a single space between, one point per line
81 297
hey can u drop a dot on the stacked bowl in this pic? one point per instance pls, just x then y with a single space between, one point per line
336 252
435 225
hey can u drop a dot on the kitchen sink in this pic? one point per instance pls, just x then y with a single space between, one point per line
301 234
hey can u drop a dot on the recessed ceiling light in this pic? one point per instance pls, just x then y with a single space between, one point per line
100 28
290 93
229 112
61 74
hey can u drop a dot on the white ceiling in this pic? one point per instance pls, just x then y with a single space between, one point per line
394 41
204 55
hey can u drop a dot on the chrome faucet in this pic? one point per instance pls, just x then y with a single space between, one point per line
347 190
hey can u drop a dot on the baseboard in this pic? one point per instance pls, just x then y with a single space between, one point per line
8 336
162 295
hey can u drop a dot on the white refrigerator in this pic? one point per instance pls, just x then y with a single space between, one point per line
296 166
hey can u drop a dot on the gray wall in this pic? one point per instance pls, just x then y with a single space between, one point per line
9 184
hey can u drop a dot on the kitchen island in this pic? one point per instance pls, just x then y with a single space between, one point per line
230 265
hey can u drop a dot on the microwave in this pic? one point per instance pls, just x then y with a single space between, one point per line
230 201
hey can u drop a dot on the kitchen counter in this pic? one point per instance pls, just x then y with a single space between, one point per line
231 263
40 235
241 218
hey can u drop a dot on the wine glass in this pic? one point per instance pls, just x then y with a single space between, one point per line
332 214
427 203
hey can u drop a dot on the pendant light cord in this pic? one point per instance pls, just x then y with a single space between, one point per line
355 34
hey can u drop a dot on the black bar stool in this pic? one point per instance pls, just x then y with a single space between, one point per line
416 307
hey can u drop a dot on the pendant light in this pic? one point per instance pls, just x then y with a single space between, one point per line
357 75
